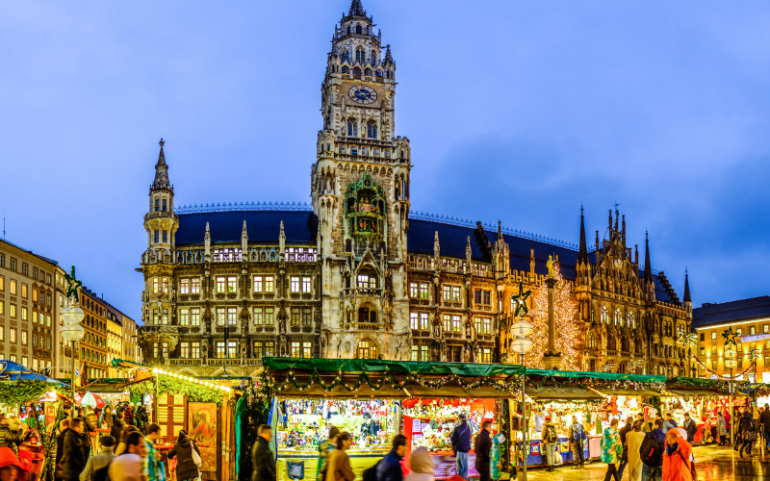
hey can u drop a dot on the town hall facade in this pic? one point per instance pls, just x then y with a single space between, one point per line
358 274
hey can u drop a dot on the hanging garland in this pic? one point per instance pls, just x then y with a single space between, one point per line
723 378
509 386
194 392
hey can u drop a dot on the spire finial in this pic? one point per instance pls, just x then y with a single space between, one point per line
161 171
583 252
162 142
647 263
687 298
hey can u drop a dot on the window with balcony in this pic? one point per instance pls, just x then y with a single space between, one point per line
220 349
164 320
195 350
184 350
366 281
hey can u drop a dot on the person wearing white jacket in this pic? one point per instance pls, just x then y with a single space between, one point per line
422 466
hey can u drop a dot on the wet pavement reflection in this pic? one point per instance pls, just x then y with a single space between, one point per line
712 462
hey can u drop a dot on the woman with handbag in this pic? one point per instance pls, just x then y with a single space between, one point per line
189 458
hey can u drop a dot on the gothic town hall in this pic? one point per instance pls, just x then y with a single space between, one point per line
358 274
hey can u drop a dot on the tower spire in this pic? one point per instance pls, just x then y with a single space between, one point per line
583 253
388 56
647 264
356 8
161 171
687 297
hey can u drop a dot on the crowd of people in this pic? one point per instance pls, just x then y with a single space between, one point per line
128 453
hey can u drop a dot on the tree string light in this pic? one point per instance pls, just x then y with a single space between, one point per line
568 331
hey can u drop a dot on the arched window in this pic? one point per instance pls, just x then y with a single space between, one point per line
367 349
379 73
371 129
631 320
368 72
348 29
360 56
345 56
345 70
373 58
389 74
356 72
618 317
591 340
359 29
605 316
352 128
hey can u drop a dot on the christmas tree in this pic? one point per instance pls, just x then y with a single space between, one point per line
568 332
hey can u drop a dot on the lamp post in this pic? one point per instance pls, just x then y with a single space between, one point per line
522 345
730 363
72 331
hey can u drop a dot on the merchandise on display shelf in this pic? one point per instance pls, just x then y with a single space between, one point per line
431 421
304 423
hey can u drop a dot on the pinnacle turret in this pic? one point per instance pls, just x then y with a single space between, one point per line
687 297
647 263
161 181
583 253
388 56
356 8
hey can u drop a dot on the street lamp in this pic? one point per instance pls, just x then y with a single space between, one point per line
730 362
522 345
72 331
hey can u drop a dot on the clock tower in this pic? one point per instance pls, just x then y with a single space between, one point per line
360 193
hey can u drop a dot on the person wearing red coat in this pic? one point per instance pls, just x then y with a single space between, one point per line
677 458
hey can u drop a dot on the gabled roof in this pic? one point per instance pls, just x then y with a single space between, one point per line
300 227
734 311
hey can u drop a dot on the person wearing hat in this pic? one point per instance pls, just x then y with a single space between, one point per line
101 460
550 439
461 444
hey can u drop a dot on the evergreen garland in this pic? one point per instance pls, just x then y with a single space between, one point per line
20 392
194 392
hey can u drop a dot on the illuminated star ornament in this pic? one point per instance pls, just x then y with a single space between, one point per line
73 285
729 336
521 301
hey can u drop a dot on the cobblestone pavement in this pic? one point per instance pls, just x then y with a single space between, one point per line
712 462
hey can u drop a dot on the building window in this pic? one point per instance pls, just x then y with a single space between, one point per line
486 355
13 287
13 336
24 269
702 336
165 285
195 317
12 310
2 260
714 336
295 316
413 290
184 286
487 298
221 284
424 321
752 330
23 313
155 285
269 283
195 350
25 361
220 349
295 349
24 291
257 283
414 320
424 290
165 235
221 315
258 316
34 340
352 128
766 329
184 350
365 281
184 317
307 317
157 236
269 316
232 315
2 284
164 205
195 285
295 284
34 295
367 350
13 264
371 129
232 349
306 284
483 325
477 296
2 308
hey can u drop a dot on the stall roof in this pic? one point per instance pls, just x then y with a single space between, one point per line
11 371
378 365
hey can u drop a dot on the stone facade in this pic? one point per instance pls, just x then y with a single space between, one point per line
359 275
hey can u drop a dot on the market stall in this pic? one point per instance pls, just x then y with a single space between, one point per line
31 401
202 407
419 399
594 399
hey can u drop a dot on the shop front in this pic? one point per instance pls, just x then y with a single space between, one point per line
374 400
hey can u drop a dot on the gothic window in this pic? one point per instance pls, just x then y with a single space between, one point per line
591 340
389 74
348 29
371 129
360 56
359 29
352 128
345 70
356 72
368 72
378 73
618 317
631 320
373 58
367 349
605 315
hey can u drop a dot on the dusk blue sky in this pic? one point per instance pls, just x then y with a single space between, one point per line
516 110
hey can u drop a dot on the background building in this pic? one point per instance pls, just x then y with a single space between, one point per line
358 274
26 306
750 322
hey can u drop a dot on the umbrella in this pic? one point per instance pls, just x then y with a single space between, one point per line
91 400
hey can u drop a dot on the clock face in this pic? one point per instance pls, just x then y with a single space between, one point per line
362 94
